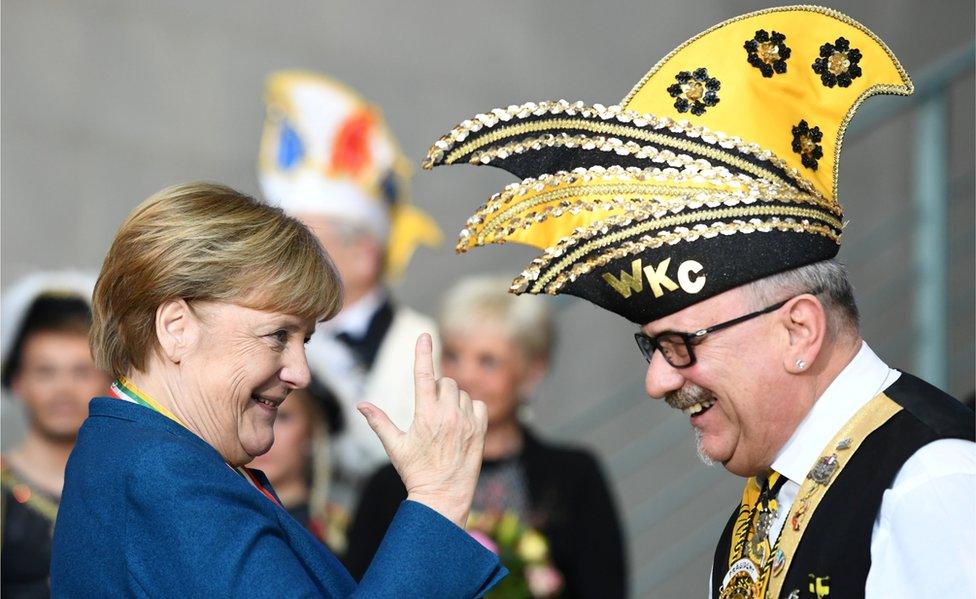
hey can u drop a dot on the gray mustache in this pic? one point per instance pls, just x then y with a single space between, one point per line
687 396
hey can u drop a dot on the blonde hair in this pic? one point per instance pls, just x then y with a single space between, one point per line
203 241
525 318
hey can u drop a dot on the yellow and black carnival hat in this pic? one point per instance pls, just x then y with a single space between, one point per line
717 169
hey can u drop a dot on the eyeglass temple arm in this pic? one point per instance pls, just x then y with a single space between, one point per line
735 321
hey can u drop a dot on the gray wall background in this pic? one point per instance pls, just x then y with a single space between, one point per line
104 102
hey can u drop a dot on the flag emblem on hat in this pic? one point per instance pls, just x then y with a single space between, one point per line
326 151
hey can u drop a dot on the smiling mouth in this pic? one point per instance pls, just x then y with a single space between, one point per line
699 408
271 403
692 400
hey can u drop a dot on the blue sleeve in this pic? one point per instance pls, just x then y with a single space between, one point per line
192 531
426 555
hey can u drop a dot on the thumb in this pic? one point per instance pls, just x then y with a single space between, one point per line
381 424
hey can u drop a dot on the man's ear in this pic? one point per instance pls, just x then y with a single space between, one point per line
177 328
806 325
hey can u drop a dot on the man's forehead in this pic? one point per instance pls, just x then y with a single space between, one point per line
701 315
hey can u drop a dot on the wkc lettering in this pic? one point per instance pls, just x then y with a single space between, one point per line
690 278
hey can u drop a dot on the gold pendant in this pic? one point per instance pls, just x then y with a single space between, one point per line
742 586
741 581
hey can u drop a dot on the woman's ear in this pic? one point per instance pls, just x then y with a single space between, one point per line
176 329
806 327
536 371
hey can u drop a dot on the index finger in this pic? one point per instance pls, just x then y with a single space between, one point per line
425 386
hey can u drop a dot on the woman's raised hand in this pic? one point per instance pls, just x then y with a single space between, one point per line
439 456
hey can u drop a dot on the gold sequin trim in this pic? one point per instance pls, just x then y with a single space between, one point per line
565 140
684 145
587 185
604 144
459 133
664 199
900 90
443 151
693 171
782 214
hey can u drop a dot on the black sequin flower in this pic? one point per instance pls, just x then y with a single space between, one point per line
806 143
837 64
694 91
768 52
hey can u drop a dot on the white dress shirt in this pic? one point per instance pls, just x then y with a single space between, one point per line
332 361
355 319
356 449
388 385
924 539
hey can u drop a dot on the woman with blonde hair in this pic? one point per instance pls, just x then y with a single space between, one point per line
201 312
497 347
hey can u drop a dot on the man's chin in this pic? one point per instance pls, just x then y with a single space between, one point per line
743 470
703 453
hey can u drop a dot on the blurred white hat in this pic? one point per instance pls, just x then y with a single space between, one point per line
19 297
325 150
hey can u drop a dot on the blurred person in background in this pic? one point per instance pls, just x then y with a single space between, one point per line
205 346
328 159
47 365
299 463
545 507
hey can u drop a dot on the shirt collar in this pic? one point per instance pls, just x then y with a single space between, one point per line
355 319
863 378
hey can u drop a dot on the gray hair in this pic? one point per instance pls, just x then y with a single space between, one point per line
482 298
836 293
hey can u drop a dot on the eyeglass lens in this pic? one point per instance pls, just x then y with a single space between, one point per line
673 347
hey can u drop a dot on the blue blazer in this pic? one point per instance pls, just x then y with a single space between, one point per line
149 509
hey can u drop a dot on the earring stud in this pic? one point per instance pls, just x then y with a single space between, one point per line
800 364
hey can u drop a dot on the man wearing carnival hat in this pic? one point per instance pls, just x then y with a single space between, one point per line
328 159
704 209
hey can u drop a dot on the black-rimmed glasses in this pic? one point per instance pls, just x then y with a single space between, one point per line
678 348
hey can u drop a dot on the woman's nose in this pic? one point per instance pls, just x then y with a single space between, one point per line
295 372
463 374
662 378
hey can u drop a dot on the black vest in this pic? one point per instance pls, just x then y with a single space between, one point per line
837 539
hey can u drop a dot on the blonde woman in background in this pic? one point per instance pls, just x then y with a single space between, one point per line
497 346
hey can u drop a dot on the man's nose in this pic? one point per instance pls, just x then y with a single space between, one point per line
662 378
